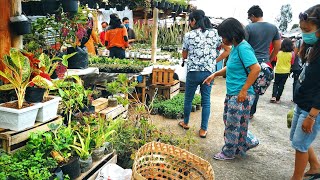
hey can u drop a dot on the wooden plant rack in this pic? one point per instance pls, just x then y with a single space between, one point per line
14 140
161 76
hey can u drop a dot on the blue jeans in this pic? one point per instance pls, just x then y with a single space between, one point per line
300 140
194 79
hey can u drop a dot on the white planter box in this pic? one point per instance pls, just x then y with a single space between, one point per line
48 110
18 119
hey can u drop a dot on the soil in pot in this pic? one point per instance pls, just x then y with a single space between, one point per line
98 153
72 168
112 102
14 105
85 165
108 148
34 95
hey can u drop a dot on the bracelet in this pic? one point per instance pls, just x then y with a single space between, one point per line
311 117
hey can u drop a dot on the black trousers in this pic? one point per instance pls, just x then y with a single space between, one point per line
116 52
278 85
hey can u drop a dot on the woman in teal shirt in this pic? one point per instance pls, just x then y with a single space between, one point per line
240 93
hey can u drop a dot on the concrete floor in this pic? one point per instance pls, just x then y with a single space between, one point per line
273 159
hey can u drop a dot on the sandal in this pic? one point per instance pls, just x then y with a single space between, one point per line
203 134
273 100
183 125
221 156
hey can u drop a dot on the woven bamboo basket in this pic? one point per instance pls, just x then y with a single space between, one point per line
157 160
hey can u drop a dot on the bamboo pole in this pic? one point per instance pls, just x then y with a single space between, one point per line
16 9
154 35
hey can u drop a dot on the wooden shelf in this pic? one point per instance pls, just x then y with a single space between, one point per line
96 166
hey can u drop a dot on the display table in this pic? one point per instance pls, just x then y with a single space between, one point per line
81 72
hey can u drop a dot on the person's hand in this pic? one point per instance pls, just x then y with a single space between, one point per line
209 79
307 125
242 96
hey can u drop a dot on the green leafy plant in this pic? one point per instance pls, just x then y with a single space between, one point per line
18 72
83 148
63 138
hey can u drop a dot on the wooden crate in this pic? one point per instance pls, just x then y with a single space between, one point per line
113 112
167 92
92 173
13 140
161 76
100 104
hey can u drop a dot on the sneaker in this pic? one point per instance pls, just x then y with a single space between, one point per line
222 157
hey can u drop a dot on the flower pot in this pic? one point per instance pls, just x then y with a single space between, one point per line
79 60
107 7
21 27
194 108
36 8
112 102
92 4
85 165
50 6
70 5
119 7
154 111
18 119
26 8
57 174
48 110
72 168
34 94
108 148
198 106
98 153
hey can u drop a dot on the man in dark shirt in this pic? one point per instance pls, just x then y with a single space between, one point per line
131 34
259 35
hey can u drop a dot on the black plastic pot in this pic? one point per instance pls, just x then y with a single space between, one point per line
112 102
36 8
72 168
175 7
79 60
34 94
193 108
198 106
119 7
50 6
57 174
161 4
85 165
21 27
108 148
98 153
167 5
26 8
92 4
154 111
70 5
107 7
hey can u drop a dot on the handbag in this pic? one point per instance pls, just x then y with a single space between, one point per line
264 79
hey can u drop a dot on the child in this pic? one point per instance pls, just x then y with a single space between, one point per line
284 61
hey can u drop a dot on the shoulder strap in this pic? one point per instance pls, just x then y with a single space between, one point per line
242 62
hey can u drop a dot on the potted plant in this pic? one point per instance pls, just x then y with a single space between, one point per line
70 5
82 148
20 25
18 115
50 6
63 138
113 88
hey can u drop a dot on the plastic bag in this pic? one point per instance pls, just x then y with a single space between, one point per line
182 72
114 172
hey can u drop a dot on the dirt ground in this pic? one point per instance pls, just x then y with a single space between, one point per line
273 159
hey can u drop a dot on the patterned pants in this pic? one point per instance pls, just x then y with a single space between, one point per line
236 120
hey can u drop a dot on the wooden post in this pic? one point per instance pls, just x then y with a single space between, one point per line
5 40
16 9
154 35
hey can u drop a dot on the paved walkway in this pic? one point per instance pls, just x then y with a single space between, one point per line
273 159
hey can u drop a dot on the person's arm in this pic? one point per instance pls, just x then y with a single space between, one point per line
125 37
225 53
210 78
184 54
276 47
252 76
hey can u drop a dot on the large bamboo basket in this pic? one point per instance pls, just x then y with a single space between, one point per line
157 160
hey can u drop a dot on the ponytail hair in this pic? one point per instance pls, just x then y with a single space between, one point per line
202 21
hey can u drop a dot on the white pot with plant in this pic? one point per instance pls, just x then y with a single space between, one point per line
17 115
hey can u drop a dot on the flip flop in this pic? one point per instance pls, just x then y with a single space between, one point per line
311 176
183 125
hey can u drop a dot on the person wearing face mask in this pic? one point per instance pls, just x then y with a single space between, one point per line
131 34
259 35
201 47
306 118
104 26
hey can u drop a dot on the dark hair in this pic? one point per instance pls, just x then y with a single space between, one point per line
124 19
315 51
231 29
115 21
286 45
256 11
104 22
202 21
